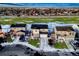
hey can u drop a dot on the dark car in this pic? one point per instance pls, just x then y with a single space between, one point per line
76 44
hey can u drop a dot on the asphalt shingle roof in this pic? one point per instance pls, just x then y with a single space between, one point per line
39 26
18 25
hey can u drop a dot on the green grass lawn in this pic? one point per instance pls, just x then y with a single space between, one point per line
34 42
39 20
60 45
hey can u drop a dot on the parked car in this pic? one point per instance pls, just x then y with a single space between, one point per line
76 44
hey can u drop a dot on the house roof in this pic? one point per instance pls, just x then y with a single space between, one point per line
39 26
18 25
64 28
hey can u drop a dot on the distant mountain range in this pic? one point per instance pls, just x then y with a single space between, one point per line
38 5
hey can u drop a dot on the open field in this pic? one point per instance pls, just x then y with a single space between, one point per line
39 20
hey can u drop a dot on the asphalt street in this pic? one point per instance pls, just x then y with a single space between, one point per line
20 50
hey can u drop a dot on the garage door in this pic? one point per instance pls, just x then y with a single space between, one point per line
43 35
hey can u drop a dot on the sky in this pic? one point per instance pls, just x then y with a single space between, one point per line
56 5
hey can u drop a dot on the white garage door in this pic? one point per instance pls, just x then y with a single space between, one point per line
43 35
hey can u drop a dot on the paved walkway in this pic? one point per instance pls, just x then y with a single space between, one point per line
44 45
70 47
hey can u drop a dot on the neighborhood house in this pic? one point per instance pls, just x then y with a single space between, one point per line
18 29
39 30
65 33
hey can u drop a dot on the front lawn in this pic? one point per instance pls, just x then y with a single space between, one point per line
60 45
34 42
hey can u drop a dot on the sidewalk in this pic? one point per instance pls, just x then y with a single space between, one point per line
46 49
70 48
22 43
43 47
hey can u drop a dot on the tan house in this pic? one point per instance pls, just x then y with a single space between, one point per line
18 28
39 30
65 32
